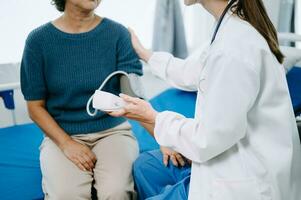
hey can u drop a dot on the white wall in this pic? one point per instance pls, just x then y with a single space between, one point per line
199 26
17 19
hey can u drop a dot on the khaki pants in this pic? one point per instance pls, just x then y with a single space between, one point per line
116 149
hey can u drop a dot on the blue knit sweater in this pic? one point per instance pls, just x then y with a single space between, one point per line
65 69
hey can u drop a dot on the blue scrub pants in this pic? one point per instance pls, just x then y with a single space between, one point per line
154 181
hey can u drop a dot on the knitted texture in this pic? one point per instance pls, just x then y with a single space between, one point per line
65 69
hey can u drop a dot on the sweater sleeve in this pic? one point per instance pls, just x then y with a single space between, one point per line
32 76
127 59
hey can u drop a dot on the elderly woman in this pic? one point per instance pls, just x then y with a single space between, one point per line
64 62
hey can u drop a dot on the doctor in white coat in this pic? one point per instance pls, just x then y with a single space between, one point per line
243 140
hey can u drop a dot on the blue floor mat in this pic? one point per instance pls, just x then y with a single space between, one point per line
20 175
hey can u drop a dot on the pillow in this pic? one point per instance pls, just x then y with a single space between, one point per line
292 57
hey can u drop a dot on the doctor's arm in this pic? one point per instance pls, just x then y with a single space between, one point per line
229 94
179 73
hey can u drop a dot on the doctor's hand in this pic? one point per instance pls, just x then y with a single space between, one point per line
136 109
176 158
142 52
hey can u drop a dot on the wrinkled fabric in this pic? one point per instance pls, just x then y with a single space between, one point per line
155 181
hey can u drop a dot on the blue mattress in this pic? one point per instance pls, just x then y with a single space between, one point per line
20 175
294 85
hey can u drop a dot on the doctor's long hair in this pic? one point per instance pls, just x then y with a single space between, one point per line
254 12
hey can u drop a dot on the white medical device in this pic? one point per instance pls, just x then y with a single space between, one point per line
108 102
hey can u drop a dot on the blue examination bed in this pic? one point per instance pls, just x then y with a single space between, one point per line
20 175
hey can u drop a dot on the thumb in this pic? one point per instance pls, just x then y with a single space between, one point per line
129 99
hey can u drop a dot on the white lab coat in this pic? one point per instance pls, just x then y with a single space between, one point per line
243 140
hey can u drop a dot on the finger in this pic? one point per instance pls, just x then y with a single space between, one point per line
174 160
79 165
84 163
117 113
129 99
180 160
89 161
92 156
165 159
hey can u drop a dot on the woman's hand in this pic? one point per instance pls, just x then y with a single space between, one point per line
79 154
142 52
136 109
176 158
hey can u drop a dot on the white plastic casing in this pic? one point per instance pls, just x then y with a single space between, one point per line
106 101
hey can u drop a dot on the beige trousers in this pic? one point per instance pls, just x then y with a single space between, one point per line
116 149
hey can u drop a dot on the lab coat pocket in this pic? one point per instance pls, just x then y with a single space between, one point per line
245 189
